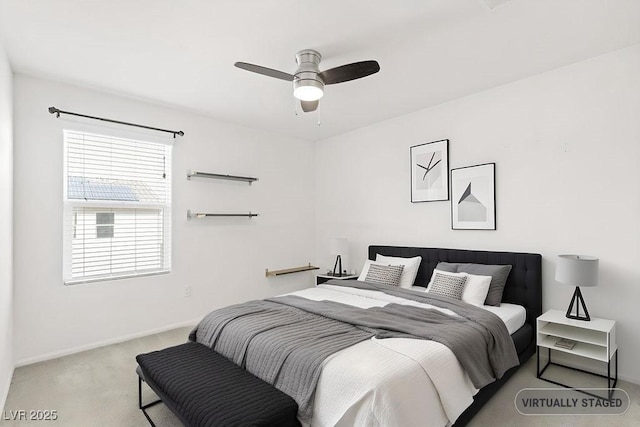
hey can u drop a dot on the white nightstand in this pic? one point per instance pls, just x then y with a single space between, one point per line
321 278
594 339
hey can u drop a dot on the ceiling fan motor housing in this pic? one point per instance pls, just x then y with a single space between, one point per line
307 84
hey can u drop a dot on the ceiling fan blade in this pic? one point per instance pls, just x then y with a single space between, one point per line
308 106
344 73
264 71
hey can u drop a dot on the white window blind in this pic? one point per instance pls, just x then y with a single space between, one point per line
117 207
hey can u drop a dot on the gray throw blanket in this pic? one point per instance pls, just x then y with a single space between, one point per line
284 340
479 339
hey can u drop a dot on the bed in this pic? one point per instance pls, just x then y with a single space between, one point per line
523 287
375 379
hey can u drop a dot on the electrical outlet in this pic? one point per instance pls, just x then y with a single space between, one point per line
186 292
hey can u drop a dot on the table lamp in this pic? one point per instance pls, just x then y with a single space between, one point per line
339 246
577 270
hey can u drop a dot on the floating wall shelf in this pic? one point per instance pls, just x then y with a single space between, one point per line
308 267
198 215
194 174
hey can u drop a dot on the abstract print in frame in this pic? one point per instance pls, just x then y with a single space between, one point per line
473 197
430 171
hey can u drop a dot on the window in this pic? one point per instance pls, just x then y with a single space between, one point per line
104 224
117 199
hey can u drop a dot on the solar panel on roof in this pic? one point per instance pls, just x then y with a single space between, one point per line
83 189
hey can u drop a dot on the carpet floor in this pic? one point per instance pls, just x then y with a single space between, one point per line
100 388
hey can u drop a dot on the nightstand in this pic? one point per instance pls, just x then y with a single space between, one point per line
594 339
321 278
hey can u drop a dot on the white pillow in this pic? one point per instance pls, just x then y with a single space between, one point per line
476 289
444 273
410 270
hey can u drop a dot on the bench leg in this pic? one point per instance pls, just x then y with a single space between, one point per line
148 405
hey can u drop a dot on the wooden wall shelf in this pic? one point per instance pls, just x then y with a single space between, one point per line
198 215
194 174
308 267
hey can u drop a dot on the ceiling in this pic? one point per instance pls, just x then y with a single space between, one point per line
181 53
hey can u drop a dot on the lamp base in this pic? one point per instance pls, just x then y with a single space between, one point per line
578 301
338 266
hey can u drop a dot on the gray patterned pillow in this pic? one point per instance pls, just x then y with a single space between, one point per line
384 274
448 286
498 273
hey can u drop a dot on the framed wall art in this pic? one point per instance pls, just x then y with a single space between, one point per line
430 171
473 197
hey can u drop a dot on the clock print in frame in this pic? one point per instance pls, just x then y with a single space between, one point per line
430 171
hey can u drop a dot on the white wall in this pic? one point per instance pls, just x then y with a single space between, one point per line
567 154
567 150
223 260
6 227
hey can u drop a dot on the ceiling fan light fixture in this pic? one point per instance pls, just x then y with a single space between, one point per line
308 90
308 80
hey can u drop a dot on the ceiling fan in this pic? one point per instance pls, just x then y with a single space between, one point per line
309 81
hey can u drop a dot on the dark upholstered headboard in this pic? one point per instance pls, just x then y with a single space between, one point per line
524 284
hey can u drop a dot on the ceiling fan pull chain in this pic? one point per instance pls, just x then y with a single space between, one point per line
318 112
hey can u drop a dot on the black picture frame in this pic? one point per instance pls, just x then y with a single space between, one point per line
430 171
473 197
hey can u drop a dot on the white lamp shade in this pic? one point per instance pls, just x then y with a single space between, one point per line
577 270
339 246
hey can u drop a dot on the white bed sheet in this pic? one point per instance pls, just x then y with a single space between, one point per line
394 381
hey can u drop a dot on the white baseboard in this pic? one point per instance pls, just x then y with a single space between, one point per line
73 350
4 390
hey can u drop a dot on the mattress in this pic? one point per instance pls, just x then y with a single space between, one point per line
394 381
512 315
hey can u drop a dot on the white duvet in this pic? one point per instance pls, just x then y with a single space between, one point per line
395 381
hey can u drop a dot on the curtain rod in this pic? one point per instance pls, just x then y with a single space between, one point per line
57 112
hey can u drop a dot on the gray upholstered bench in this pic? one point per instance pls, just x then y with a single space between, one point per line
203 388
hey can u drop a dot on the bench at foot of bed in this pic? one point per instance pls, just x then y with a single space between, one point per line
203 388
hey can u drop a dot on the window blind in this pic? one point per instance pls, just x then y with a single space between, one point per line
117 207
